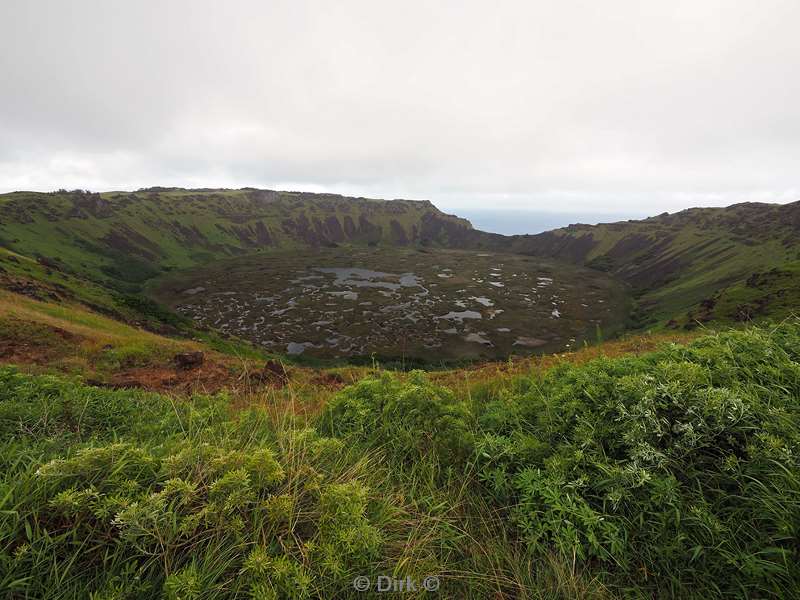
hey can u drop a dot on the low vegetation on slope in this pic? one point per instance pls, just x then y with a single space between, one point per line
679 263
122 239
676 473
103 249
46 337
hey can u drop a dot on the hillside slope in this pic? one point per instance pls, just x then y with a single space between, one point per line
699 265
679 264
120 237
674 474
99 249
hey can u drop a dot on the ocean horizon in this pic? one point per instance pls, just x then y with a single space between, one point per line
520 222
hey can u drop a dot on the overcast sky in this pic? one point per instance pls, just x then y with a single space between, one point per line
627 106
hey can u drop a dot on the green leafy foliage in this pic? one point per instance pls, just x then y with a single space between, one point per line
683 465
411 418
203 503
673 474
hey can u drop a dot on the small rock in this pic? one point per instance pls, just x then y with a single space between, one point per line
273 372
186 361
194 290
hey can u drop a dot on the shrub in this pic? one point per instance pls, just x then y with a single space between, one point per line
190 507
409 418
683 464
673 474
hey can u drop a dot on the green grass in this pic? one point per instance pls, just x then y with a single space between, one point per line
674 262
168 229
103 249
775 292
106 249
672 474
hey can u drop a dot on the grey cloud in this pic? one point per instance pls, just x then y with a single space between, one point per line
573 105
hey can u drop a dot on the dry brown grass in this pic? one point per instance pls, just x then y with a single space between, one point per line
497 372
79 337
72 339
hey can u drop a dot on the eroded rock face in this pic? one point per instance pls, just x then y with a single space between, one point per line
189 235
252 235
274 373
300 228
334 229
399 236
186 361
368 231
86 204
263 236
129 241
436 227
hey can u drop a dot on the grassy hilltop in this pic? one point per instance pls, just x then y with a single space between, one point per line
701 265
681 266
664 463
126 237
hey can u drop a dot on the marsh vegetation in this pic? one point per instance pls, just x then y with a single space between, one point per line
431 304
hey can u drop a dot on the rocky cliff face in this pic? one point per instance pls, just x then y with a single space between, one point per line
672 261
164 228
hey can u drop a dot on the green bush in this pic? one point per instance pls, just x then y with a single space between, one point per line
684 464
408 418
205 504
674 474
